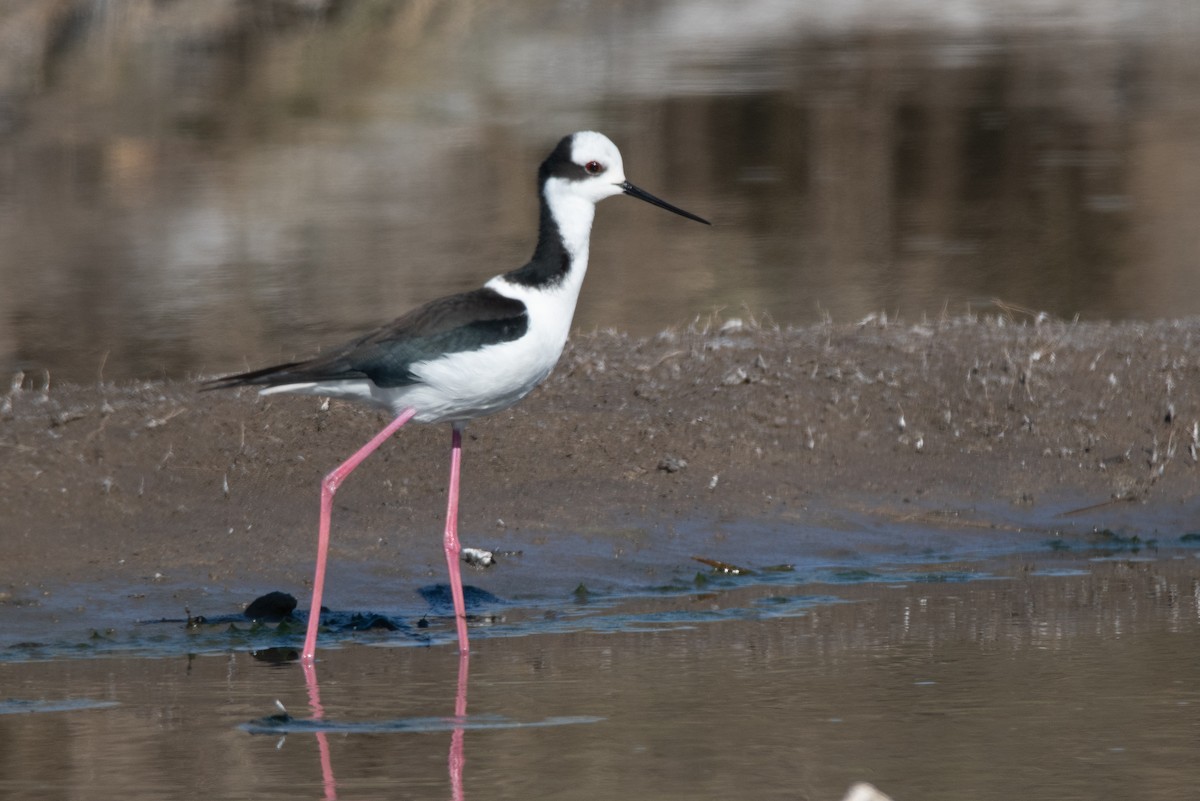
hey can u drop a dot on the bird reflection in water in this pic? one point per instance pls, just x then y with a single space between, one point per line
455 761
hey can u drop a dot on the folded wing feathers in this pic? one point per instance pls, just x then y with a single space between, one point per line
460 322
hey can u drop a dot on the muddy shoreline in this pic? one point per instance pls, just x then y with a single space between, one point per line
968 428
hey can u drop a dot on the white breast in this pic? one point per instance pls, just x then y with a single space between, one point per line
462 386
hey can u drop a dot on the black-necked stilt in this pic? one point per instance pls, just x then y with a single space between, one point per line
471 354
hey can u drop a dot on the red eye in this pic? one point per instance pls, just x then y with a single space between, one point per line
594 167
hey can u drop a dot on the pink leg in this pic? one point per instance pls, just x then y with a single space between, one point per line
457 758
318 712
452 546
328 487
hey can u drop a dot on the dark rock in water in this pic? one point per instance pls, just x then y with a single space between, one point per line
273 606
368 621
278 720
438 595
346 622
275 656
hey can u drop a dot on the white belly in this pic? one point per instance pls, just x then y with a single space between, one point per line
472 384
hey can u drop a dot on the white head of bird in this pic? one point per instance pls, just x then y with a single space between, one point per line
585 168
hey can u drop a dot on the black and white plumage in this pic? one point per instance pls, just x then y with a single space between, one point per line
475 353
395 366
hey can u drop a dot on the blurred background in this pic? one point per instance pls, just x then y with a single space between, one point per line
190 187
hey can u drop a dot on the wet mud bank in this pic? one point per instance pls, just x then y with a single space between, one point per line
731 439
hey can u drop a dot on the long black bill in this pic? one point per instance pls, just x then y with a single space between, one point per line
642 194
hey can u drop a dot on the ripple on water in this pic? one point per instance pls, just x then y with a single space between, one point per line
22 706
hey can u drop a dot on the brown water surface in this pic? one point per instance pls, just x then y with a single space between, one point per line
1051 680
194 187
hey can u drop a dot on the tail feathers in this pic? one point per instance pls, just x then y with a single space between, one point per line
267 376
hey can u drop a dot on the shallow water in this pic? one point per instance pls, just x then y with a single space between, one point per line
195 188
1054 676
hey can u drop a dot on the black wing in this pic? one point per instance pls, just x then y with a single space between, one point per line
463 322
